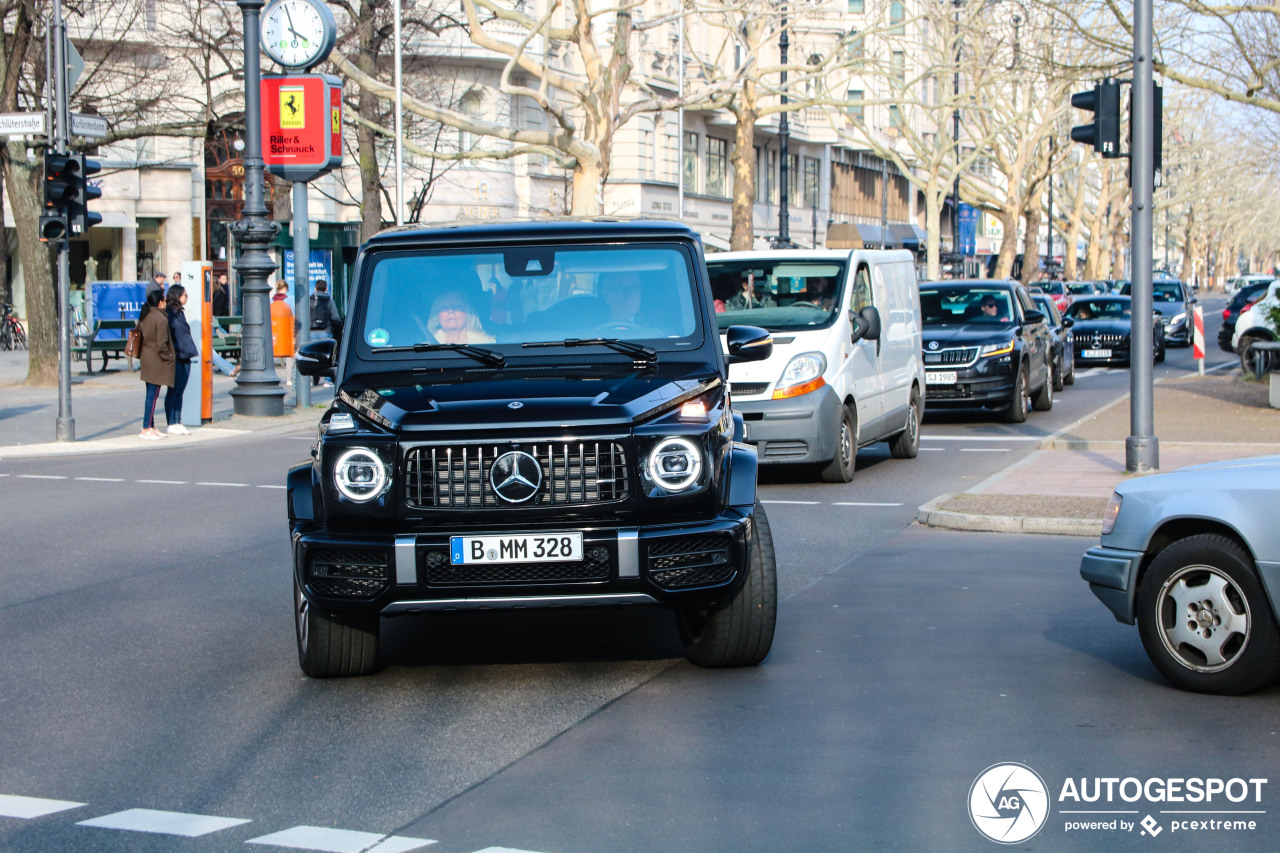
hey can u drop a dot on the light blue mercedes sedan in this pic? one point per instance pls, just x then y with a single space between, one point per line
1193 556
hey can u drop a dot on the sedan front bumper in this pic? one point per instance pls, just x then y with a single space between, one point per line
1112 575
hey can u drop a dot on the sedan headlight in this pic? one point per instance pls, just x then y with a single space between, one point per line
802 375
1178 318
996 349
1110 514
360 475
674 465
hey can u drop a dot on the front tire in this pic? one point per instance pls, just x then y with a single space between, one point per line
906 444
1205 619
741 632
333 645
842 466
1017 412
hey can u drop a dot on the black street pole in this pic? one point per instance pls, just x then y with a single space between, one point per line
955 133
784 139
257 392
1049 263
65 426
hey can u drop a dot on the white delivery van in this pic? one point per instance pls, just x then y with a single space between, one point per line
846 369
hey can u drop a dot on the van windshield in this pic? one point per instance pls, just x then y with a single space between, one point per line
779 295
496 297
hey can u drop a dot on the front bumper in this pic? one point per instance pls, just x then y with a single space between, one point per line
1119 355
986 384
678 564
797 429
1112 574
1178 333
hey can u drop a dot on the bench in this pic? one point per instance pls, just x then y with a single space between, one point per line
226 336
110 347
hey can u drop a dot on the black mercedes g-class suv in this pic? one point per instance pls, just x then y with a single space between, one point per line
530 415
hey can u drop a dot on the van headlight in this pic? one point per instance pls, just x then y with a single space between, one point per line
360 475
674 465
802 375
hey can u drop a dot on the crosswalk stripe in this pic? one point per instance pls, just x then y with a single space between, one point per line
163 823
29 807
328 840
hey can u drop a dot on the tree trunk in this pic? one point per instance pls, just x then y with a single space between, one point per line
588 188
1031 240
742 235
1008 242
22 179
933 226
1070 261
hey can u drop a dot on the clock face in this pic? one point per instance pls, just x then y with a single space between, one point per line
297 33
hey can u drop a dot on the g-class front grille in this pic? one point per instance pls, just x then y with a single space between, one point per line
573 473
347 574
595 566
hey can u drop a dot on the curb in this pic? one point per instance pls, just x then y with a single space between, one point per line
1052 443
930 515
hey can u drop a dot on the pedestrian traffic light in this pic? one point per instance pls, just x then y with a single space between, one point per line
1103 133
60 171
79 217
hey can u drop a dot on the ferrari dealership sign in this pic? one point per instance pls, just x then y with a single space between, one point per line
301 125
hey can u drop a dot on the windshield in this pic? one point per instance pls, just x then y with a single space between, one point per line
783 294
1099 309
1055 287
1161 291
496 297
954 306
1081 287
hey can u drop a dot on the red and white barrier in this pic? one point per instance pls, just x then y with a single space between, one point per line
1197 340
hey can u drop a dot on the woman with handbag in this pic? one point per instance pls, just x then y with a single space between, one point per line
157 359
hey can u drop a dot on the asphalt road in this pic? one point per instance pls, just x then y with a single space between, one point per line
149 685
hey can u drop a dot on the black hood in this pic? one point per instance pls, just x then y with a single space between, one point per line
528 397
968 335
1109 326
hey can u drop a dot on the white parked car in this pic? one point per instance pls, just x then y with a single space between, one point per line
846 369
1254 324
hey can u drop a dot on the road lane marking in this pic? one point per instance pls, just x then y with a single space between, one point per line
163 823
799 503
339 840
982 438
165 482
42 477
26 808
230 485
933 450
984 449
273 487
101 479
864 503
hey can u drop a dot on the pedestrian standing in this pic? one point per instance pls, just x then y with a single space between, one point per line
282 335
157 359
184 350
220 298
325 322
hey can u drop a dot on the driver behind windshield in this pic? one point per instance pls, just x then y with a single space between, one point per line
622 292
751 296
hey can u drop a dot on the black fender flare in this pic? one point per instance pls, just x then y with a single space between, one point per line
742 479
301 496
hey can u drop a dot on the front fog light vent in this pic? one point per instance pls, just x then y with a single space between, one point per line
360 475
675 464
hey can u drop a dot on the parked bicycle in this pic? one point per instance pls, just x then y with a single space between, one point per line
12 335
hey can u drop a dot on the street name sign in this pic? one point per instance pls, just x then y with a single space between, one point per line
21 124
92 127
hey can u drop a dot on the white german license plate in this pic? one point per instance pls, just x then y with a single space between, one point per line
1097 353
515 548
939 377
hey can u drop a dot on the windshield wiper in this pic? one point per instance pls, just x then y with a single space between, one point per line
488 356
626 347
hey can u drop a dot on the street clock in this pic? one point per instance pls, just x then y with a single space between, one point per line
298 34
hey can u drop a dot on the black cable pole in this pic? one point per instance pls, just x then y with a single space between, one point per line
784 139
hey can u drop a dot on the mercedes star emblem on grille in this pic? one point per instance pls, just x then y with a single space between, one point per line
515 405
1097 341
515 476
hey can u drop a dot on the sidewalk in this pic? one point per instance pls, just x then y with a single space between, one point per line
1064 486
107 409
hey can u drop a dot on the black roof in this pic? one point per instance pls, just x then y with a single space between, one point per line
530 230
973 282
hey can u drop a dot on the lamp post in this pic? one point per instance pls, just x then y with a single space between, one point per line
955 133
784 140
257 392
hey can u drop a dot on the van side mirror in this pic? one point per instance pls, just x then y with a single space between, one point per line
315 358
866 324
746 343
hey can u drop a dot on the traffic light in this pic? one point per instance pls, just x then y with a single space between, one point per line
1157 138
60 173
1103 133
79 217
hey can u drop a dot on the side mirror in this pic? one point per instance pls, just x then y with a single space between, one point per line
315 358
866 324
1157 312
1067 322
1034 317
744 343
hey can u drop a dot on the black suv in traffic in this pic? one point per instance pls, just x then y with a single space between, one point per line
530 415
985 346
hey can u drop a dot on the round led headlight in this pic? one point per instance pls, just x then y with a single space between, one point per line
675 464
360 475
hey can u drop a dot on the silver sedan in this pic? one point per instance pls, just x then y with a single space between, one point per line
1193 556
